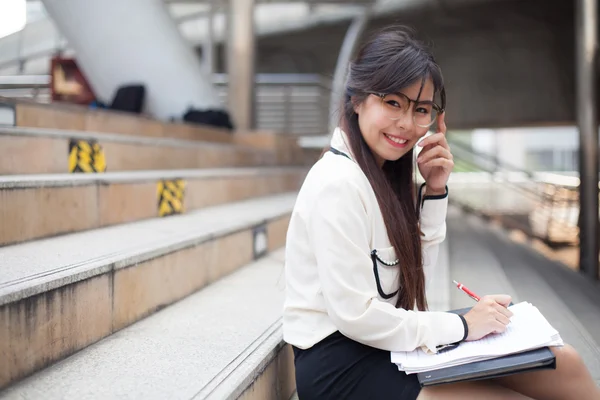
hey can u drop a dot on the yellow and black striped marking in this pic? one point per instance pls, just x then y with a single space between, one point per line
170 197
86 156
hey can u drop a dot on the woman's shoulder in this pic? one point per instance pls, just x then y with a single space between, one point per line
336 175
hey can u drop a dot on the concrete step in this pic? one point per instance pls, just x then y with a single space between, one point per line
224 342
36 206
62 294
30 114
39 150
485 259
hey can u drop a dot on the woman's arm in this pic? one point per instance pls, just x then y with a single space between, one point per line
432 215
338 227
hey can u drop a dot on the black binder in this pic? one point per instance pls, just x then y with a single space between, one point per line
531 360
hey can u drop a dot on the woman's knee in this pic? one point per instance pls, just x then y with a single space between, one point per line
569 365
568 360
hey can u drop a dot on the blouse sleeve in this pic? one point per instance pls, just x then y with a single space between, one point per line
433 211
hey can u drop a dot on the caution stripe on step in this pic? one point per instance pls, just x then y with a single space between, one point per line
170 196
86 156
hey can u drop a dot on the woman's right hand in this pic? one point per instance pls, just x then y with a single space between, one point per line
489 315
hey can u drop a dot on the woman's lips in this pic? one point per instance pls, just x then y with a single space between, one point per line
396 141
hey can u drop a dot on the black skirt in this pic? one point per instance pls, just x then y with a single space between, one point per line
340 368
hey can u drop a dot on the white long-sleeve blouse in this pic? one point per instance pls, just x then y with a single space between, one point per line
331 282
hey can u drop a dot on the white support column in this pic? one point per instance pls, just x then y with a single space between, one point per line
208 50
119 42
353 33
240 63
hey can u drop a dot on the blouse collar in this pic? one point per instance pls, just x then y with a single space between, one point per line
341 143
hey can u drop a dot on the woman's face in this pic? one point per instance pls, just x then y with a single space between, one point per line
390 139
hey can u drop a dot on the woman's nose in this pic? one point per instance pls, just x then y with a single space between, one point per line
406 122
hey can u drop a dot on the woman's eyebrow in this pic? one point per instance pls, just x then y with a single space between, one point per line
415 101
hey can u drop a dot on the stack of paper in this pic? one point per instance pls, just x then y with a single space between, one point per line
528 330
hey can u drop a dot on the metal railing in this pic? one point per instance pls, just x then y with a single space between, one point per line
294 104
543 205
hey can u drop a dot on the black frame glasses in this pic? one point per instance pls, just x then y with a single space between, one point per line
439 109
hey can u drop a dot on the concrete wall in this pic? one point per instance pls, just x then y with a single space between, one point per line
506 63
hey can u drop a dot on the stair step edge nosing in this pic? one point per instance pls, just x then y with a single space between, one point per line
121 138
231 381
69 180
26 288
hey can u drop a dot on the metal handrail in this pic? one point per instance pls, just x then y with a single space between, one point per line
525 190
554 205
24 81
36 81
281 79
30 56
491 157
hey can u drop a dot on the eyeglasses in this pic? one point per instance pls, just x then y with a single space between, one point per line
396 105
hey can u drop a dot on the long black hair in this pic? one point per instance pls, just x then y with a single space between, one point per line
390 61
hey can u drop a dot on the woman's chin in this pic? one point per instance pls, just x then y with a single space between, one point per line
393 155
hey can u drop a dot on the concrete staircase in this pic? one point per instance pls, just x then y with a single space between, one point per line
159 279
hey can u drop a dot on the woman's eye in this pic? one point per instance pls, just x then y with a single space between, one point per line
422 110
394 103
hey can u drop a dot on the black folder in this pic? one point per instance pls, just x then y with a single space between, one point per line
527 361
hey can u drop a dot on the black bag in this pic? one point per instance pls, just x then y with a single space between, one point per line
129 99
218 118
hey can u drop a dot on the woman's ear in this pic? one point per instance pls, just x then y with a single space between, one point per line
356 106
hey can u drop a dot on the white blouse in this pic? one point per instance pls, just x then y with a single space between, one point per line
330 281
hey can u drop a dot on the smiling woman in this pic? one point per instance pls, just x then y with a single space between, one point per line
13 16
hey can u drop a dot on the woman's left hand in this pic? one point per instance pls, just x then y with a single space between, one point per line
435 160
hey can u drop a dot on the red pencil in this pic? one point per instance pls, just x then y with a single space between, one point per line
460 286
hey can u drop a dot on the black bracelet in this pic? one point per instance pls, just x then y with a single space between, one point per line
464 321
445 347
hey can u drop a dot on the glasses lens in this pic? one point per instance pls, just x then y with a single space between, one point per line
394 106
424 115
